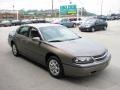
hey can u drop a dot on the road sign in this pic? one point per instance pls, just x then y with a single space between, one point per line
68 9
72 9
63 10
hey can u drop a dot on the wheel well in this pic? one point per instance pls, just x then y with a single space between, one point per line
106 25
48 55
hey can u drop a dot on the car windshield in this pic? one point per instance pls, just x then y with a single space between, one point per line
90 21
57 33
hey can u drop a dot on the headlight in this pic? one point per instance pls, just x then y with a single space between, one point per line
83 60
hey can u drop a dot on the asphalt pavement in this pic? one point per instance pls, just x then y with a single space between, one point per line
18 73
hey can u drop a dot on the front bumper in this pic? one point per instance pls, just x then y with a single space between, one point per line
84 28
85 70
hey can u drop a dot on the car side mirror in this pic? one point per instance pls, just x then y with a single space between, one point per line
36 39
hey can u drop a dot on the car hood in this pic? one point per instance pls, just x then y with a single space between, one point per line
80 47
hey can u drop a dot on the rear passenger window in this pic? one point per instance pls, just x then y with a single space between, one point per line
24 31
101 21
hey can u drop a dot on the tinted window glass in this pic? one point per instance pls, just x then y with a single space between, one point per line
34 32
24 31
61 33
64 20
101 21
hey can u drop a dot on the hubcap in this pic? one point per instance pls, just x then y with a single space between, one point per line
54 67
74 25
93 29
105 28
14 50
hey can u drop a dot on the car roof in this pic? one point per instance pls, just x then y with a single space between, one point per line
38 25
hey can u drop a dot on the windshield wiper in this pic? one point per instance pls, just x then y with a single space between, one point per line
55 41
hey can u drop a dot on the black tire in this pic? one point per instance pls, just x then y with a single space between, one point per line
15 50
74 25
92 29
57 74
105 28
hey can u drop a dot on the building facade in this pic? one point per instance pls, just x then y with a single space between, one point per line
12 15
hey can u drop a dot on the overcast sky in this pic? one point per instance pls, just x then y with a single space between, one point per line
109 6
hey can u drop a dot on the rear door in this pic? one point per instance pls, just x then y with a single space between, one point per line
97 24
102 24
70 24
66 23
21 37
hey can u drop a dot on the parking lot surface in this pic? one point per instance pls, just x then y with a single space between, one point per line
18 73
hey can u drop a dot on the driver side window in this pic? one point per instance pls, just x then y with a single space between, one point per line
34 33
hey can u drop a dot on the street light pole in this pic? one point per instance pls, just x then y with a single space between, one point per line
52 9
81 11
101 6
13 7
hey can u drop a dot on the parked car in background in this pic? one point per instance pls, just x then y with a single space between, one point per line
86 19
39 21
16 22
93 25
5 23
109 18
26 21
59 49
102 17
64 22
115 16
75 20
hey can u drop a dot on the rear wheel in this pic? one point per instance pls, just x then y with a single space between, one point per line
15 50
55 67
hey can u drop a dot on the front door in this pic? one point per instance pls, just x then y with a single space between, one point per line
35 47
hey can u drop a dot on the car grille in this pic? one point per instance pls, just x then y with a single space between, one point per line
100 57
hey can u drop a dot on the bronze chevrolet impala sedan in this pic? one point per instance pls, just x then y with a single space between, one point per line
59 49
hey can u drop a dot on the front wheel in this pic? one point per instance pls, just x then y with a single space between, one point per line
105 27
55 67
92 29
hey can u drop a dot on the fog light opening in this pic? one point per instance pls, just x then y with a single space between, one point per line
93 72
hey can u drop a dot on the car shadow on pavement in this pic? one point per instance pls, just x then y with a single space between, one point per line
102 80
33 62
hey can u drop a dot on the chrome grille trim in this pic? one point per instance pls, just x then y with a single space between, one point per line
101 57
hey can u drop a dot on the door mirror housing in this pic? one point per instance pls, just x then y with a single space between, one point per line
36 39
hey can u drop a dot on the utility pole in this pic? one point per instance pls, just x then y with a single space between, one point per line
77 13
17 15
13 7
101 7
70 1
52 9
81 11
